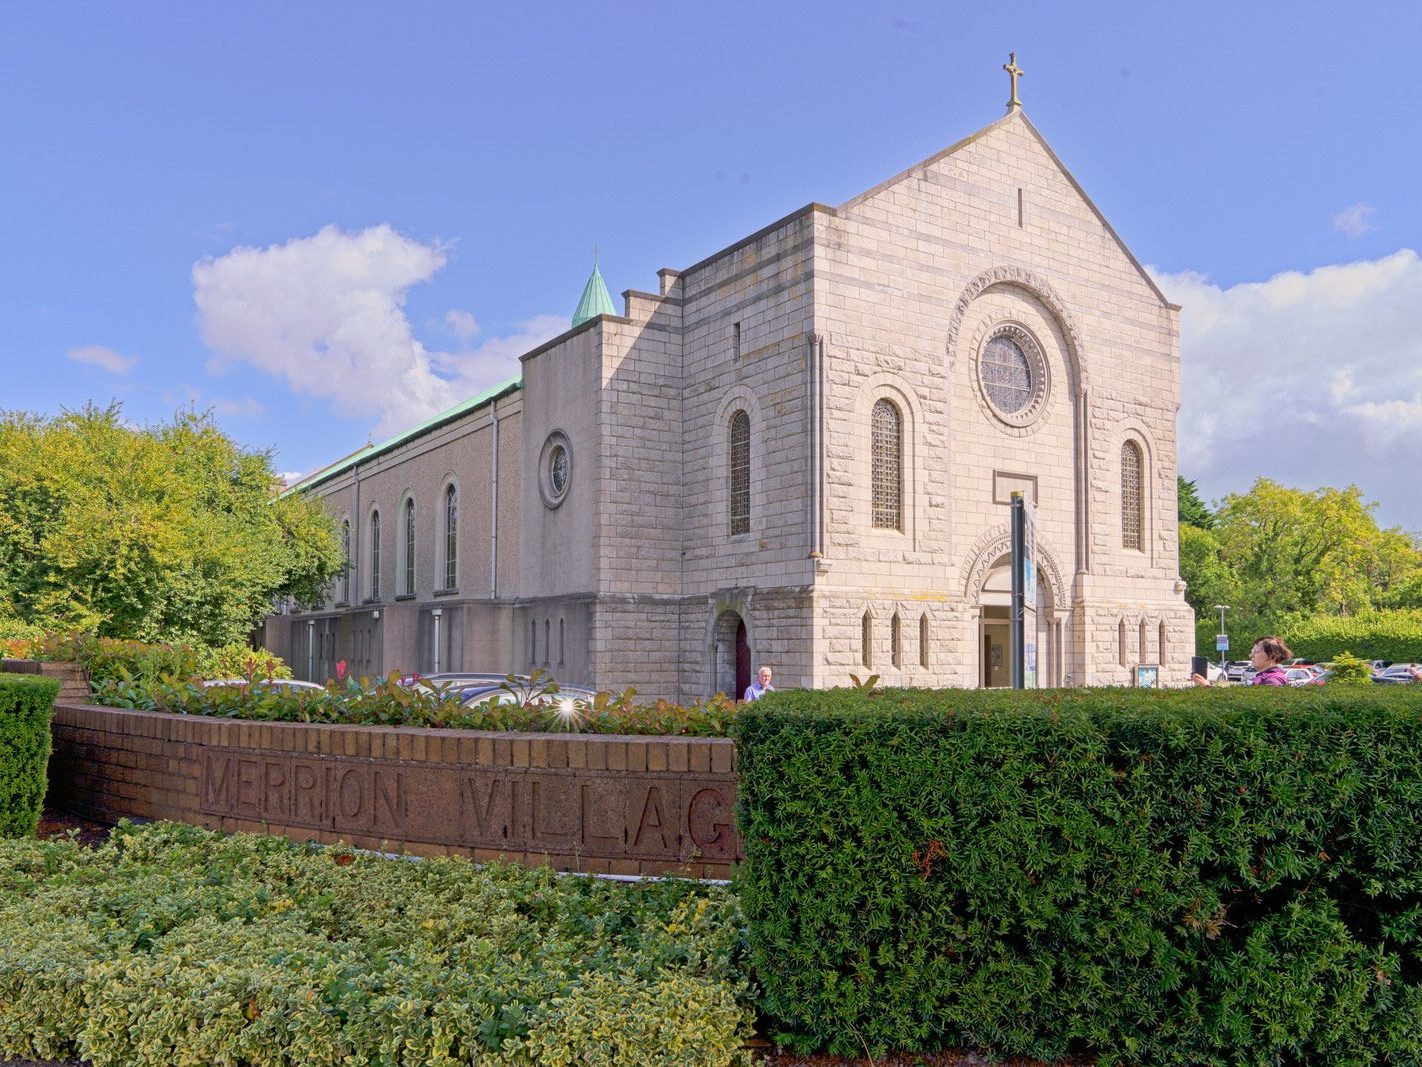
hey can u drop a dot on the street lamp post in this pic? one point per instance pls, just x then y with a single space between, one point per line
1222 641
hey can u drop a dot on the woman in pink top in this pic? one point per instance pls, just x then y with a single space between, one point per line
1267 656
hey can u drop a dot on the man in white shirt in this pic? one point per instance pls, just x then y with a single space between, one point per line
760 686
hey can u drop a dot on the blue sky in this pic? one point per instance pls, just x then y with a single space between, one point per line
324 221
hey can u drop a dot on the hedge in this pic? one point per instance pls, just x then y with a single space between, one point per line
1395 636
1210 876
171 945
25 703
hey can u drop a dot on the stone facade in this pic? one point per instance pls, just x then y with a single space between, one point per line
637 575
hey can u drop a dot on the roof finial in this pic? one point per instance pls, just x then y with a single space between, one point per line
1014 72
594 255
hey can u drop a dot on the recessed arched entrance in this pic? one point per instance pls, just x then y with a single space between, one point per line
731 654
994 668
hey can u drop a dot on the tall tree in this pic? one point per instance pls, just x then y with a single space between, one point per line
1193 511
1310 552
170 532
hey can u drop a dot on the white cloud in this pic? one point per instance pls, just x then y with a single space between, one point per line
245 406
290 477
326 314
1355 220
462 324
1310 378
107 358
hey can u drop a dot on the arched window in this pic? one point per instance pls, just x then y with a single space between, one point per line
547 643
1121 649
561 648
451 537
896 647
407 568
866 640
1141 644
887 451
346 557
375 555
1160 646
923 640
533 642
1132 501
740 454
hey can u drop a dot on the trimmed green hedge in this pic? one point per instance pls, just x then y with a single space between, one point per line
25 704
1204 876
171 945
1391 635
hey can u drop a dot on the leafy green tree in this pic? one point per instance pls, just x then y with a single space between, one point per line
169 532
1208 578
1296 552
1193 511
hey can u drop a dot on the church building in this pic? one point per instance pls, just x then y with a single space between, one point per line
799 452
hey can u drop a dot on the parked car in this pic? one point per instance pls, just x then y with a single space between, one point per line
459 678
278 684
1302 676
1397 674
568 695
1235 669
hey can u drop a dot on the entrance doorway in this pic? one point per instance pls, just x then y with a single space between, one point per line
995 631
743 660
730 655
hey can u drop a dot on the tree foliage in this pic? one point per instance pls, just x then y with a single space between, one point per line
166 532
1193 511
1280 557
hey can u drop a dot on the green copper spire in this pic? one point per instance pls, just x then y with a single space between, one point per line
596 300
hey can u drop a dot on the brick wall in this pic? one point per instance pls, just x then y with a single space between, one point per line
617 805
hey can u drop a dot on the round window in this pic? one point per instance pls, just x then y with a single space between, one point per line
1012 374
555 469
558 470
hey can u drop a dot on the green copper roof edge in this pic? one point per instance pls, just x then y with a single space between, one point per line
369 452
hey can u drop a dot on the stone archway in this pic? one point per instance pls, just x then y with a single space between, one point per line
730 654
988 589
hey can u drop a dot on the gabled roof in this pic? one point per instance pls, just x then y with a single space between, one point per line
595 301
369 452
1017 114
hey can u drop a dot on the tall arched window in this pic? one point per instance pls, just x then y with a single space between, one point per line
1132 501
887 451
923 640
375 555
896 647
1121 649
346 557
407 568
1160 643
740 454
1141 656
451 537
866 640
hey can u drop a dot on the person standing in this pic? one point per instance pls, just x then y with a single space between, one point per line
760 686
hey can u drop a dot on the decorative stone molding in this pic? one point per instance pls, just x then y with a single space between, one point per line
1036 285
991 546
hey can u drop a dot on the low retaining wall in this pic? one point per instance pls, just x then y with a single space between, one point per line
582 802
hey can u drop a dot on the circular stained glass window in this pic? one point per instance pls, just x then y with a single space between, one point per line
1006 375
1013 378
558 470
555 462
